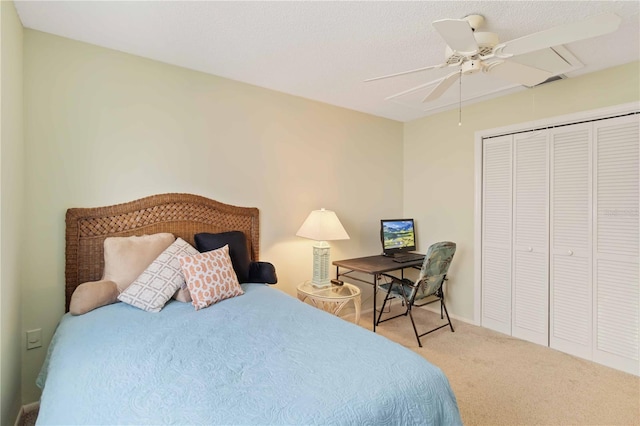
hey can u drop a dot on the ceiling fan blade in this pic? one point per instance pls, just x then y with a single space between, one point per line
457 34
563 34
442 87
406 72
413 89
517 73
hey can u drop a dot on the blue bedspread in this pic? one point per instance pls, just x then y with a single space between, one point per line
261 358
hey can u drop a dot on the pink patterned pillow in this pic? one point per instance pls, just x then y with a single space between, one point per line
210 277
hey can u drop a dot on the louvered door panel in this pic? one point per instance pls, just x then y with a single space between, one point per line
496 234
616 243
572 303
530 298
570 282
530 286
617 310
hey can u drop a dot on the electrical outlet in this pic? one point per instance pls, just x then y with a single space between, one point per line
34 338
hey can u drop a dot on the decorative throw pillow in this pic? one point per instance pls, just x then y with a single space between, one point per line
182 295
151 290
210 277
125 258
91 295
238 249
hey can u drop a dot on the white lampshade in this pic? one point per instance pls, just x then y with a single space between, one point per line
322 225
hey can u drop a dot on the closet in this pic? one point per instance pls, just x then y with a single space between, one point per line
559 238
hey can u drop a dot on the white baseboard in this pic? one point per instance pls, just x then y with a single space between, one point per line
25 409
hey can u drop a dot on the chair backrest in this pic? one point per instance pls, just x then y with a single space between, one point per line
434 268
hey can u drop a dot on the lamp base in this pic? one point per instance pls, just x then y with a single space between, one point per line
321 285
321 265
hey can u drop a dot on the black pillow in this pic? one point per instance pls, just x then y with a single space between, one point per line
238 250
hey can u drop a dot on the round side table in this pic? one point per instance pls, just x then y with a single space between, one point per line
332 298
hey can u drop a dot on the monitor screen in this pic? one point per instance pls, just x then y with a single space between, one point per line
397 235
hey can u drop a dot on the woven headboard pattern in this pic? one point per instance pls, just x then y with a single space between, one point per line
183 215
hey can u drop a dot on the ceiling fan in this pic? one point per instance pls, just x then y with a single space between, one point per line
469 51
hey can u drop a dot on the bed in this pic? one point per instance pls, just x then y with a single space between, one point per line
261 358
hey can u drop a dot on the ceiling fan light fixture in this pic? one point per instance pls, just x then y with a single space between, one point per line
486 42
471 67
471 52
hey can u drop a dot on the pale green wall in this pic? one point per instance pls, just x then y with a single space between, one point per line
439 160
11 201
104 127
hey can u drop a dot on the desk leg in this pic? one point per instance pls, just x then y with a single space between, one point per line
375 304
375 291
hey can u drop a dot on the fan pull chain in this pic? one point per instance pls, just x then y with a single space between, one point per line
460 99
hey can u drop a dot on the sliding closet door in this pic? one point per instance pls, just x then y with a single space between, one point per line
530 298
570 240
616 329
496 234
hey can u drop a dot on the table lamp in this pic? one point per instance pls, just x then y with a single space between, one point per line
322 226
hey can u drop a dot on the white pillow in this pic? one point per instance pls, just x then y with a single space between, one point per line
155 286
182 295
125 258
89 296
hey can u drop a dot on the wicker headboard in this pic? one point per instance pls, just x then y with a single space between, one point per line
181 214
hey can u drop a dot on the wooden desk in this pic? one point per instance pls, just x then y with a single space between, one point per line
374 266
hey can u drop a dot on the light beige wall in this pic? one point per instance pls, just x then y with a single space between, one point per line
439 160
104 127
11 200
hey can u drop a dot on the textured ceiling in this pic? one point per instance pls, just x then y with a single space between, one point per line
324 50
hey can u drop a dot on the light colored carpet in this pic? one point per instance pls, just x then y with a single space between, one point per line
500 380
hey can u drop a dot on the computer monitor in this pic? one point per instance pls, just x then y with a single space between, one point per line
397 236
